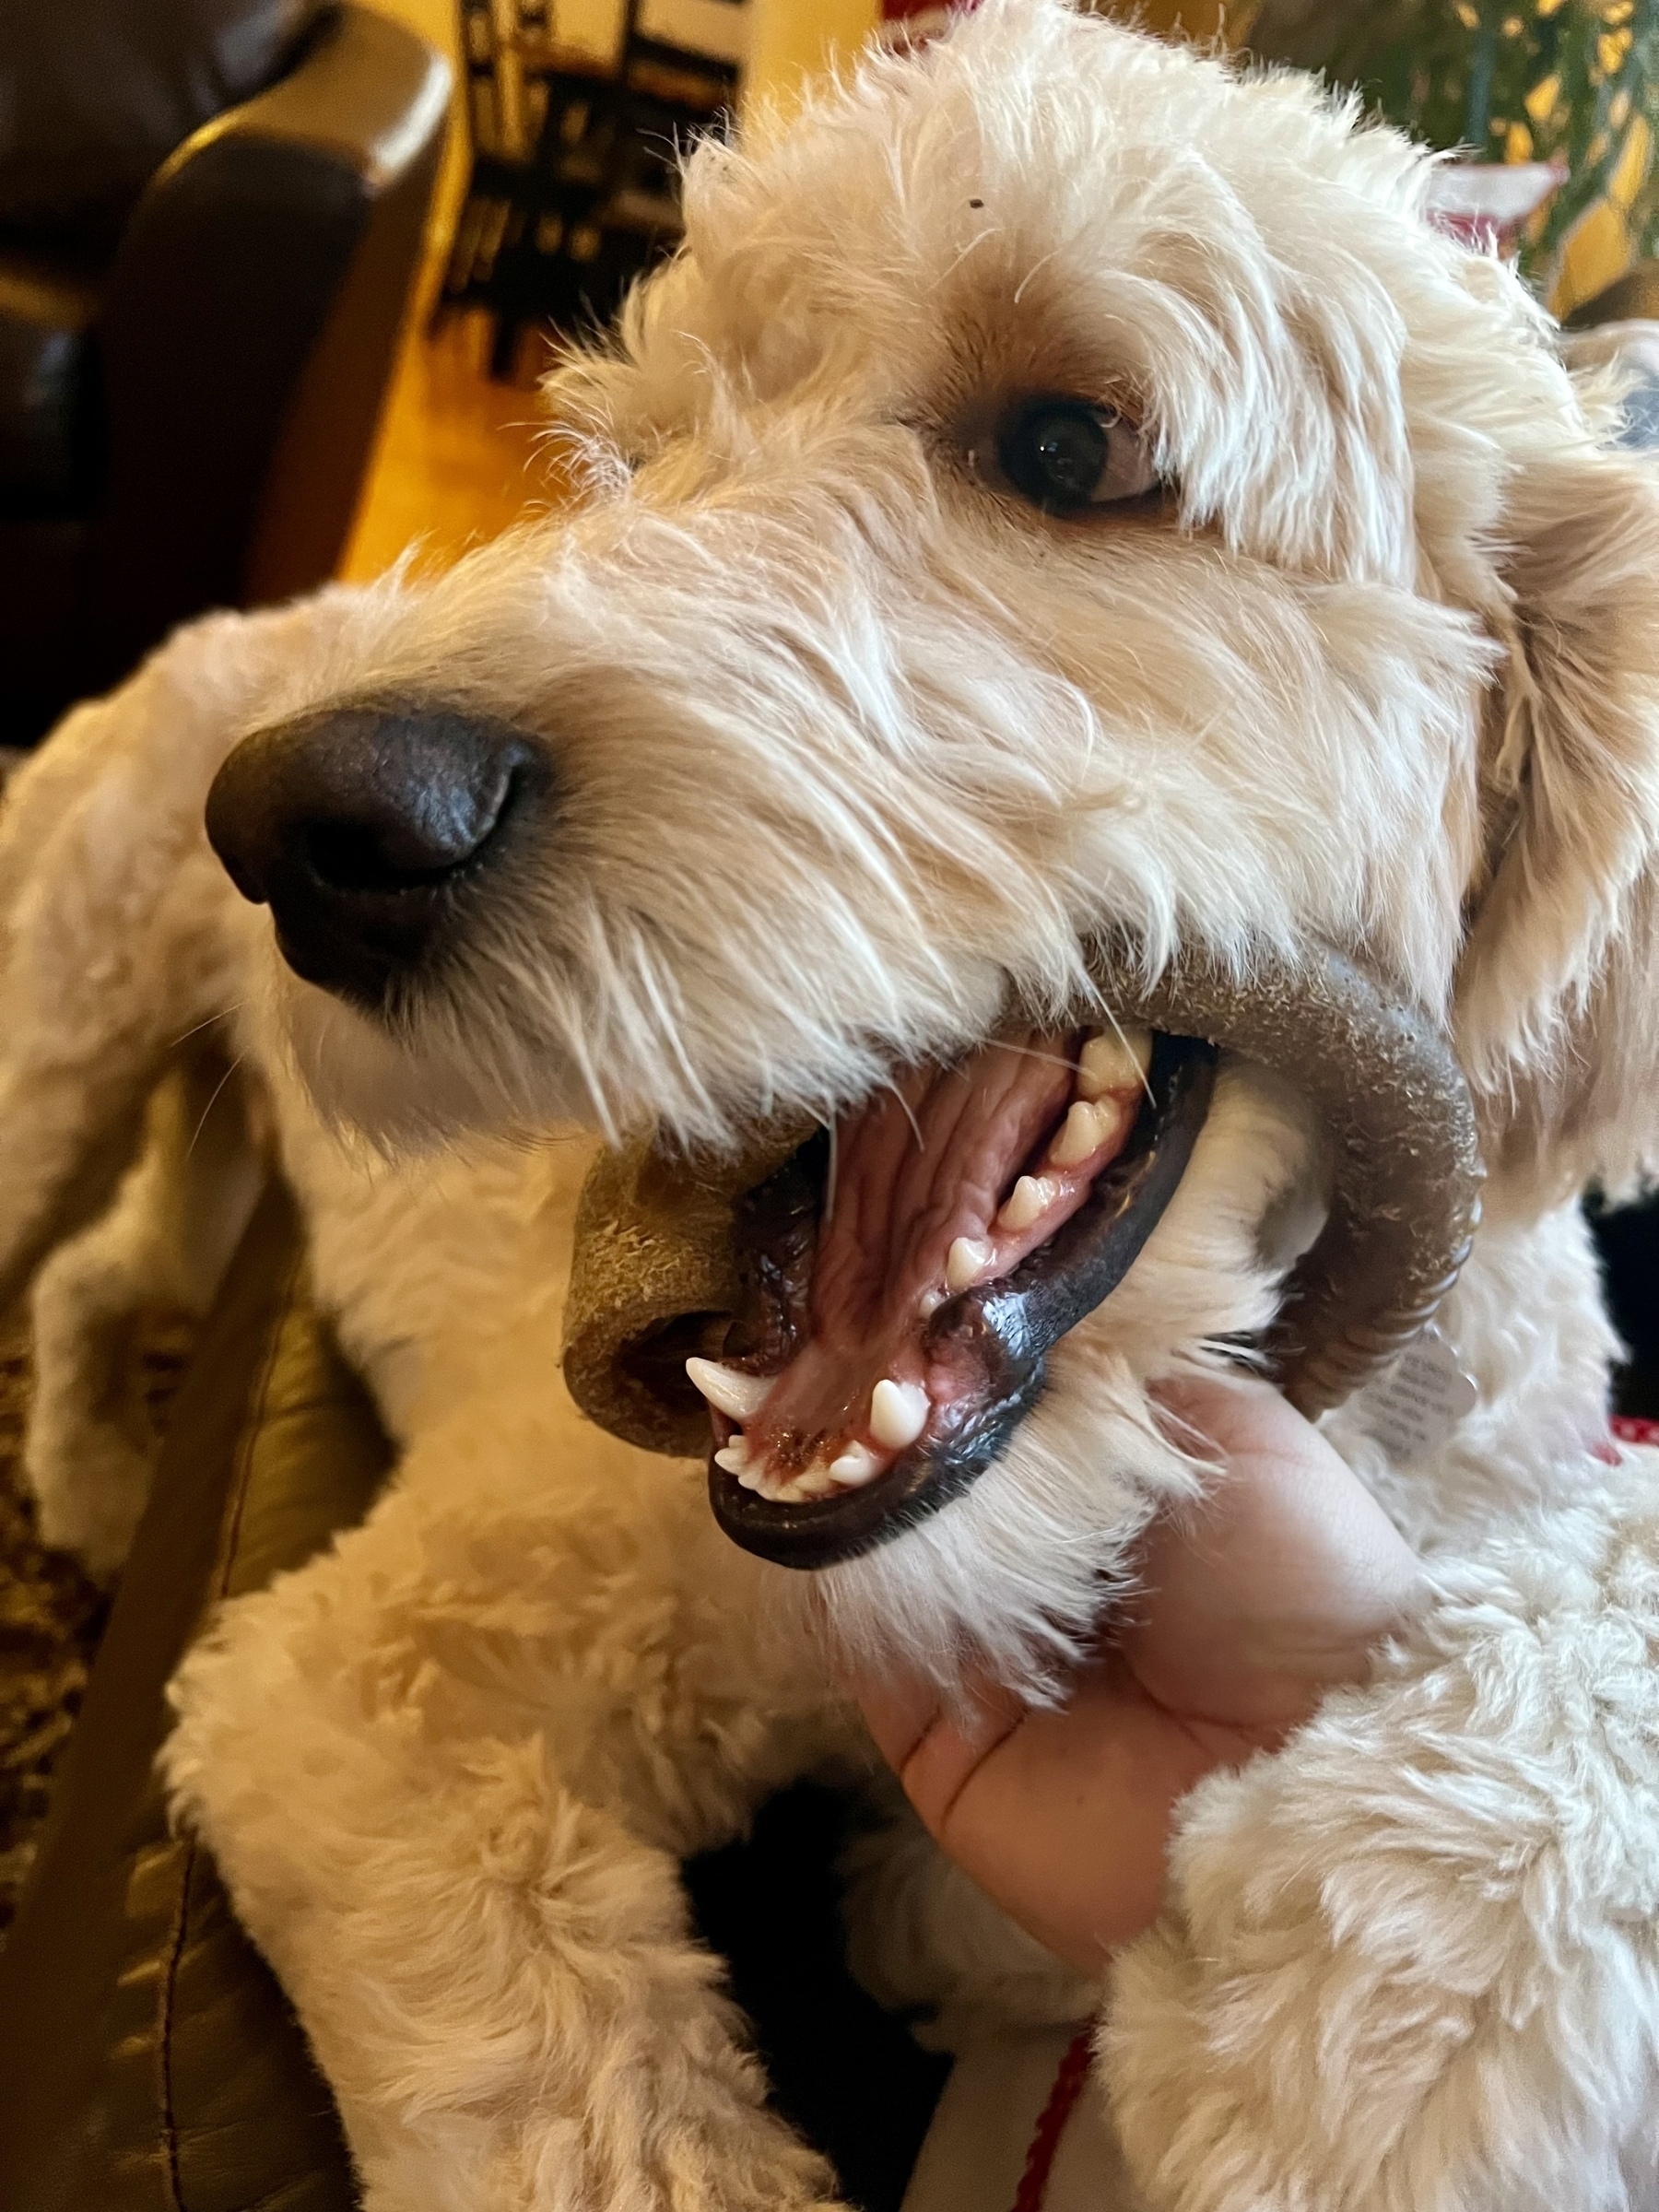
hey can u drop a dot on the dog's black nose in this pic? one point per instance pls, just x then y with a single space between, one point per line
367 829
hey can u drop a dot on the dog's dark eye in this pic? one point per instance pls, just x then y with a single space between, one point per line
1064 454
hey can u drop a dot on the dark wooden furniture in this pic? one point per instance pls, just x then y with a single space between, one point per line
574 184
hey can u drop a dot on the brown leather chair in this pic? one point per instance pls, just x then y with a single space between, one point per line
191 360
148 2062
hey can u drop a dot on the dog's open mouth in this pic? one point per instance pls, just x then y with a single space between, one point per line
870 1337
905 1276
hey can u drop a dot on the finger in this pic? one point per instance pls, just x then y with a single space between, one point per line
1282 1583
1232 1413
931 1751
899 1709
1065 1821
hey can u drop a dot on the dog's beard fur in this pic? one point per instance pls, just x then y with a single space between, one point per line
852 746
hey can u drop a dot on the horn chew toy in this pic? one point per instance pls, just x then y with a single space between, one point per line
1405 1185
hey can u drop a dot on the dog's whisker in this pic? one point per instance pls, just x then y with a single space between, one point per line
1032 1052
905 1108
224 1013
978 239
1129 1053
1035 270
212 1102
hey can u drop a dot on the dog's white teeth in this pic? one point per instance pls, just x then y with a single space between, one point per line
965 1261
801 1489
1029 1199
899 1413
1113 1062
855 1466
1084 1130
738 1395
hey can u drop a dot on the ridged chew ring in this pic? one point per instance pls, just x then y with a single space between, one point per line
657 1275
1406 1153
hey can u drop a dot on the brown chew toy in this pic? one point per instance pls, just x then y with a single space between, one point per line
654 1277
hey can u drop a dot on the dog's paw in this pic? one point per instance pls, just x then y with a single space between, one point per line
1412 1960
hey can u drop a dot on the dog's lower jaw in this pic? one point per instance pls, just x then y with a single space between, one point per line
1014 1575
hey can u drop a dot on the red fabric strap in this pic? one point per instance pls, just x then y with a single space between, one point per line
1068 2087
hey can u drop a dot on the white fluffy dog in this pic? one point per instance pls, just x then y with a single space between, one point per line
1063 486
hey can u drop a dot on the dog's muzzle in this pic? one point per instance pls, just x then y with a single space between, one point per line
368 829
674 1256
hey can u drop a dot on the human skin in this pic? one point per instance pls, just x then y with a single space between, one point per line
1249 1607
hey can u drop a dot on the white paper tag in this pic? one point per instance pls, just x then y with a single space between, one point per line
1414 1406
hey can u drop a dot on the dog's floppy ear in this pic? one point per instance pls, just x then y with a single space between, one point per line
1558 991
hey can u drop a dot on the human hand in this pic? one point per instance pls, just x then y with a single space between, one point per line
1276 1588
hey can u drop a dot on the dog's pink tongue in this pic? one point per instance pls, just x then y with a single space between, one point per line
920 1168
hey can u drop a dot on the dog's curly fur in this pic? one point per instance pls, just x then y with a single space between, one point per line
852 744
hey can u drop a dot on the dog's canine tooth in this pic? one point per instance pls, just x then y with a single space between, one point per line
1111 1062
963 1263
855 1465
1029 1198
738 1395
899 1413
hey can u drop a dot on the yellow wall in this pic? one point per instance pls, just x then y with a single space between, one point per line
790 38
1190 19
1200 19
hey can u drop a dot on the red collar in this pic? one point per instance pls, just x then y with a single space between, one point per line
1067 2089
1626 1429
